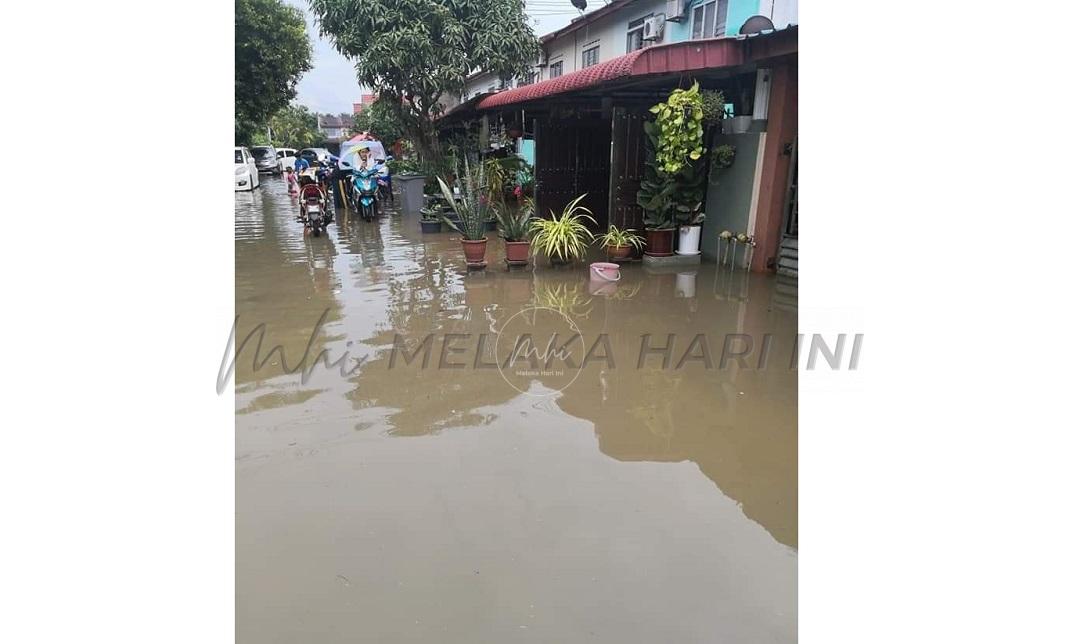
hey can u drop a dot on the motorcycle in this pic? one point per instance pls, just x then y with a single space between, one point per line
386 188
365 183
313 211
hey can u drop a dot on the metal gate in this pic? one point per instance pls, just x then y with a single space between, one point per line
627 167
573 157
791 210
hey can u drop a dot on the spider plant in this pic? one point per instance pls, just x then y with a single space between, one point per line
514 226
472 209
620 238
563 237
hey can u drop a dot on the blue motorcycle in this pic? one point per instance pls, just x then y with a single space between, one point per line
366 191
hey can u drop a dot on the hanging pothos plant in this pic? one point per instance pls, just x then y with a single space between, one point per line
680 123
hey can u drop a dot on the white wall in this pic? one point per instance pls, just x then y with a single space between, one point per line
610 31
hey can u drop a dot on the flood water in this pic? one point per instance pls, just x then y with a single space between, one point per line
478 499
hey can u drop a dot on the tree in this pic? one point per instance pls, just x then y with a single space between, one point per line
413 51
294 126
272 53
381 119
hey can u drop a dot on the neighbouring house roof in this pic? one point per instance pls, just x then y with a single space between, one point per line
671 58
463 108
330 120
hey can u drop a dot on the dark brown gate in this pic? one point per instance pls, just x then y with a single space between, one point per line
573 157
628 166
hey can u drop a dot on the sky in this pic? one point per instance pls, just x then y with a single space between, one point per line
330 86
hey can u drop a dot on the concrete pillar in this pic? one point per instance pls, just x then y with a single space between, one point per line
780 133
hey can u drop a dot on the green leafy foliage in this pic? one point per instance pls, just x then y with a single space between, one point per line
514 222
712 107
272 53
616 236
502 175
723 156
295 126
680 136
414 51
433 212
381 119
473 209
655 193
565 236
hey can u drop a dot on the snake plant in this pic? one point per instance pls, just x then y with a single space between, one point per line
472 209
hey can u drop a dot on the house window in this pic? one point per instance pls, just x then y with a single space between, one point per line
555 70
635 34
709 19
527 79
590 56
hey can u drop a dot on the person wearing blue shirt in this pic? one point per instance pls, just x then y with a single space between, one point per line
301 165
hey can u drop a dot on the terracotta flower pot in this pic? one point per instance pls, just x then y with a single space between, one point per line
517 252
618 252
475 249
658 241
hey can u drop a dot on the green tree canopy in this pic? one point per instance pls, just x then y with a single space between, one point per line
272 53
414 51
382 120
295 126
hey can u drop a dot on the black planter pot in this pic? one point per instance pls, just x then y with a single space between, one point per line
491 224
431 226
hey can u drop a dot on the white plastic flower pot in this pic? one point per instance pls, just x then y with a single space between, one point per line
689 240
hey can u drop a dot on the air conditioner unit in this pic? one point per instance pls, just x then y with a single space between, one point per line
676 10
542 59
653 29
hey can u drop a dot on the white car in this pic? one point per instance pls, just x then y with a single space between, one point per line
286 158
246 174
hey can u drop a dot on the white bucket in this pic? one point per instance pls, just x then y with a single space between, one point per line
689 240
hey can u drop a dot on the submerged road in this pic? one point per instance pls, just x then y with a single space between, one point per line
483 498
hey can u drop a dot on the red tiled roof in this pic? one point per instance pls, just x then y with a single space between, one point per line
594 75
686 56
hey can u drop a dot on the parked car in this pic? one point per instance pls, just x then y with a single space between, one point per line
286 158
313 155
246 174
266 159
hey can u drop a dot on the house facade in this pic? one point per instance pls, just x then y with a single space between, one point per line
580 116
333 127
623 26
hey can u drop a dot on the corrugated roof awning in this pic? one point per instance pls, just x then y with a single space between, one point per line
673 58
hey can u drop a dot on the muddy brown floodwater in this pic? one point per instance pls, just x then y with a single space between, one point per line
479 499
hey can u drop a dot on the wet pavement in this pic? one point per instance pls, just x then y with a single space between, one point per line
480 498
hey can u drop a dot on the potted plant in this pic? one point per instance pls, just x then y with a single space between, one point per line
688 199
514 229
620 243
654 197
472 215
565 237
431 220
